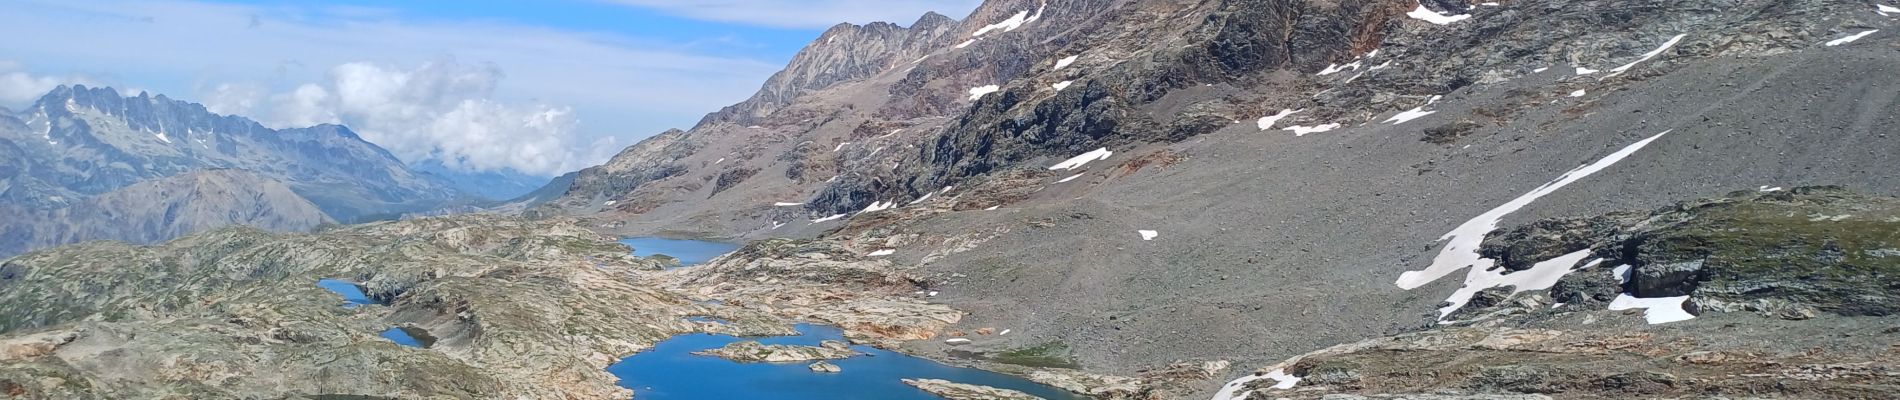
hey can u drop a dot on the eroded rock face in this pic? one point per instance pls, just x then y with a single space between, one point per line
753 351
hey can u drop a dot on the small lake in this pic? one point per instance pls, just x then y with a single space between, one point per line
352 295
689 252
670 371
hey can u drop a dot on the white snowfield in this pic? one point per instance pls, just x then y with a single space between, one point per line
1409 115
884 252
1585 71
1148 234
1647 56
1658 310
1267 122
1231 391
1062 85
1427 15
830 218
1540 277
1850 38
1886 10
1578 93
1461 244
1078 161
1308 130
980 91
786 204
879 206
1070 178
1064 62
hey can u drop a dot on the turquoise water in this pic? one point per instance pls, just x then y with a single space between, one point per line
352 295
670 371
689 252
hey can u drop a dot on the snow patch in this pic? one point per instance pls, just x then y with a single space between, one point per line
1409 115
965 43
1540 70
721 159
879 206
1540 277
1062 85
1765 188
1578 93
776 224
1461 247
830 218
1064 62
1007 25
840 147
921 199
1307 130
979 91
786 204
610 202
1646 56
884 252
1886 10
1148 235
1585 71
1070 178
1427 15
1850 38
1335 68
161 137
992 208
1658 310
956 341
1232 391
1268 121
1078 161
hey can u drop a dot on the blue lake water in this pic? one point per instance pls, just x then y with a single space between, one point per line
352 296
670 371
689 252
401 337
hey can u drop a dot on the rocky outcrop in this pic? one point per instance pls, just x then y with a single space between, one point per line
825 367
511 309
963 391
1780 253
870 300
753 351
156 210
1504 363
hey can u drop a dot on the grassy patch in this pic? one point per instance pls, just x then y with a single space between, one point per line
1047 355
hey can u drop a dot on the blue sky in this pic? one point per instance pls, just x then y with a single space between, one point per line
538 86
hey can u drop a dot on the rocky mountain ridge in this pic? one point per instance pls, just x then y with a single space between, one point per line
1108 173
78 148
78 141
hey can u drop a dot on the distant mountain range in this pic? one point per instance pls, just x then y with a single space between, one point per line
76 145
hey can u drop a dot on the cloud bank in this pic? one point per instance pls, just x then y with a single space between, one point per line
442 109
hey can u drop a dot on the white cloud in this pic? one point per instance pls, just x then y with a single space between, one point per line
18 86
442 109
806 13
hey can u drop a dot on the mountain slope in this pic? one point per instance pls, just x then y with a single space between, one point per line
160 209
1293 158
77 142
